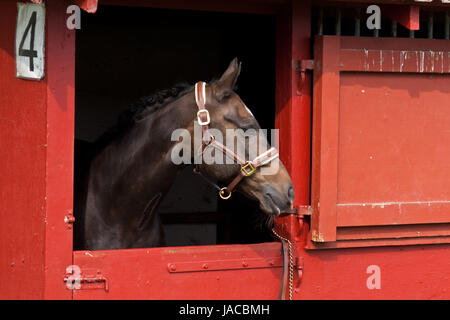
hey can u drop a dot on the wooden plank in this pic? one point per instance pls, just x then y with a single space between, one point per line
225 264
418 61
371 43
88 5
293 111
325 138
154 275
352 3
393 138
393 232
393 213
59 148
247 6
370 165
22 171
362 243
407 16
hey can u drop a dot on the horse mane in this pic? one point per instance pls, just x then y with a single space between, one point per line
139 110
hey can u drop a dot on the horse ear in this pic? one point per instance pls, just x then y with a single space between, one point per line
228 80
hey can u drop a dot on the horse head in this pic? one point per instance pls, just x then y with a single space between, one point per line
226 112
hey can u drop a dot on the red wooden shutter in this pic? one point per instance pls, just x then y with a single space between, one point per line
381 142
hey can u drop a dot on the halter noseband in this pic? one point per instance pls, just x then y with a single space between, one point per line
248 168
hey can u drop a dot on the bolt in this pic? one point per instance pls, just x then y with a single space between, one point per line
244 264
172 267
69 219
205 266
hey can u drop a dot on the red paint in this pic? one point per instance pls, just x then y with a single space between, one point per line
415 272
407 16
60 105
88 5
293 111
325 139
36 148
417 61
327 274
370 168
205 272
36 151
22 171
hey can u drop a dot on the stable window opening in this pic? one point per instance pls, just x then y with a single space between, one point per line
124 53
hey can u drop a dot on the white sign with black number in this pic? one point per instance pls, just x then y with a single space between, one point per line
30 36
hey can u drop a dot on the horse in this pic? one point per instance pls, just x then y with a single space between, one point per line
132 169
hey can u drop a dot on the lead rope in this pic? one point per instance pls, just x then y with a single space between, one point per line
291 262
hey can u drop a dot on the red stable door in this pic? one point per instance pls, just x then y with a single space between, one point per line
251 271
380 175
380 168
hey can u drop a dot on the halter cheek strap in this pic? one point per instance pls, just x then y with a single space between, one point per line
248 168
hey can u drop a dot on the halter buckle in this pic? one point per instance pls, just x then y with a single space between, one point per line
199 117
248 169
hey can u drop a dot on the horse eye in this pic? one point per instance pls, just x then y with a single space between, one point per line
243 123
226 95
248 126
246 123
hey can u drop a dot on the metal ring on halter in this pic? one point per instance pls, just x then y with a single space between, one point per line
222 191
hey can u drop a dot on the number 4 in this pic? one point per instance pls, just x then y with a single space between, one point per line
31 53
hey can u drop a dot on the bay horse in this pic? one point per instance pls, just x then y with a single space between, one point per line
132 169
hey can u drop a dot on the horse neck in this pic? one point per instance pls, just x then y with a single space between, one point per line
133 170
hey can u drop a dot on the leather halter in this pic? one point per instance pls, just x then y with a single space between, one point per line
247 167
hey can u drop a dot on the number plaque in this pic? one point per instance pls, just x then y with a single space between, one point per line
30 39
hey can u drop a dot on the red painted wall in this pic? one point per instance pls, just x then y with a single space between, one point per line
36 156
406 272
22 171
36 152
60 147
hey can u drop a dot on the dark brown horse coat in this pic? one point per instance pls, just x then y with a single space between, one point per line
132 172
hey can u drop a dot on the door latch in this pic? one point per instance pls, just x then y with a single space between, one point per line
301 67
88 279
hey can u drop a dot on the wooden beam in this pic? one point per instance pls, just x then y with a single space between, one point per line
433 3
407 16
87 5
240 6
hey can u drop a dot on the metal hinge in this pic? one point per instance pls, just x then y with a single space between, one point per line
298 265
229 264
299 211
301 66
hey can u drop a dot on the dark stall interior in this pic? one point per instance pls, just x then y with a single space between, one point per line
123 53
